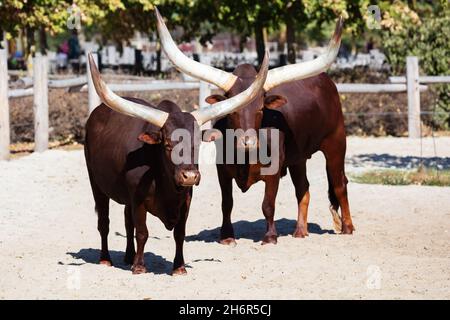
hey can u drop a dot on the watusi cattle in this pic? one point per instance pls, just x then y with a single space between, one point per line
302 102
128 150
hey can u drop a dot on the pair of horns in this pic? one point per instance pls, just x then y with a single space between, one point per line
159 117
265 80
225 80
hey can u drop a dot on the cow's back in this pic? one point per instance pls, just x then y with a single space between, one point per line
312 112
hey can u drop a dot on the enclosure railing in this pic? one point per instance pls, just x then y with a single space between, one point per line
412 84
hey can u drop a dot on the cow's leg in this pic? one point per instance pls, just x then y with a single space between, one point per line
226 188
333 148
102 208
129 227
179 233
268 208
140 223
301 184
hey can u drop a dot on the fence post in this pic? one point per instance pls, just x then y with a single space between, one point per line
204 92
4 106
93 98
40 106
412 81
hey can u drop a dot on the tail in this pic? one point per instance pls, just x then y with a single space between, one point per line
334 205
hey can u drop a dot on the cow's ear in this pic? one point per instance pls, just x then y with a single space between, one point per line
150 137
211 135
215 98
274 101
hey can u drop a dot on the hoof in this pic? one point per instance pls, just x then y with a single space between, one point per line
300 233
348 229
107 263
269 239
228 242
181 271
138 269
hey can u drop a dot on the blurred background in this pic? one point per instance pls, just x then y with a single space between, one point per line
378 37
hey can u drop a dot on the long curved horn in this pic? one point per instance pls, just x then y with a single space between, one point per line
119 104
222 79
235 103
306 69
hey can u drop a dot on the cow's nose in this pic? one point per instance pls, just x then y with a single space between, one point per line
248 142
189 177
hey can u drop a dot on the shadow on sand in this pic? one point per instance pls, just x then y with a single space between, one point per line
390 161
155 264
255 230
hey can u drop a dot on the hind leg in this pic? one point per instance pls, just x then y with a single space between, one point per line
333 148
102 208
301 184
129 227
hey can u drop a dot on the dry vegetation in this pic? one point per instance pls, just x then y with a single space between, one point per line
68 111
422 176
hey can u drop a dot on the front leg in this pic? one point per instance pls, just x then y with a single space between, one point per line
140 222
268 208
226 188
130 251
179 233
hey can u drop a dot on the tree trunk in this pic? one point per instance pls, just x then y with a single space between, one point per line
30 40
1 38
242 42
158 58
290 35
259 39
43 46
282 46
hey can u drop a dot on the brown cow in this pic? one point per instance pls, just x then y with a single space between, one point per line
129 158
300 100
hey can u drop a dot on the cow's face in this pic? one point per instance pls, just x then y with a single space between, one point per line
179 139
249 118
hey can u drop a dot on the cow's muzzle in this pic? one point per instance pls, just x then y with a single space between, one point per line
188 178
247 142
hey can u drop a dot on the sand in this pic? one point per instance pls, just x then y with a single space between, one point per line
49 244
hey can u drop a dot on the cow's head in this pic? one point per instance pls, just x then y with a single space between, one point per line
235 83
178 132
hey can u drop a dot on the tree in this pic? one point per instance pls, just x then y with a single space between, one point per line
246 17
295 19
49 16
423 32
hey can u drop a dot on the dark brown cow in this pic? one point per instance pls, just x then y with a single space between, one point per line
304 104
129 158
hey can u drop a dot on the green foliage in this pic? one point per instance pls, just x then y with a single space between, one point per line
426 35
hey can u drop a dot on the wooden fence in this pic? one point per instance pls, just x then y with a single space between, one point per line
38 87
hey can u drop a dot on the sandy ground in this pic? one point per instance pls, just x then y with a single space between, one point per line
49 244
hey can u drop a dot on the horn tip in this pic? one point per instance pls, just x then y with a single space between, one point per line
339 25
157 14
338 31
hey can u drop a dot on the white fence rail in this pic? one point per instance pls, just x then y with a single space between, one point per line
38 87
